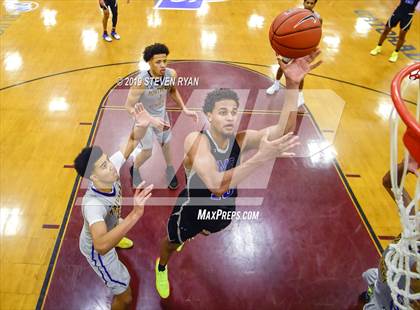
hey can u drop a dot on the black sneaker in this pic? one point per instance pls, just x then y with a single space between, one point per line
171 178
135 176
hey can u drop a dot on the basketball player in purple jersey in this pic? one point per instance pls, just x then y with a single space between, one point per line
214 169
403 15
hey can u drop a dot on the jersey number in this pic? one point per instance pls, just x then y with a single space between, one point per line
225 195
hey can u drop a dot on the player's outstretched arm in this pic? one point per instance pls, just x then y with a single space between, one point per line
104 240
133 97
294 72
198 151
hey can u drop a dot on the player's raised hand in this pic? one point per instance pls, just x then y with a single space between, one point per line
140 197
144 119
277 148
296 69
141 116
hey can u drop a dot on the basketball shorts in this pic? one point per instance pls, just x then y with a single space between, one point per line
108 3
110 270
183 224
403 18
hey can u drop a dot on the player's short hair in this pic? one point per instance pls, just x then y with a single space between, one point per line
216 95
155 49
85 161
314 2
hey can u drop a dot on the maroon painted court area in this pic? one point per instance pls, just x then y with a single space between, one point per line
307 249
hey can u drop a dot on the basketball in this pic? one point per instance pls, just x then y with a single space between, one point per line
295 33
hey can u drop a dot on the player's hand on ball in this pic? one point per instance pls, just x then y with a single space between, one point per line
277 148
295 70
140 197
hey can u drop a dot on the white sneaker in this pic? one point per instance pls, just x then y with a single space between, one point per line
301 100
106 37
115 35
273 88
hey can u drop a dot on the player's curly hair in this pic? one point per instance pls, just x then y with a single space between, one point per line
219 94
154 49
84 162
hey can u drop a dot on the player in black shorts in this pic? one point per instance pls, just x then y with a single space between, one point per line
403 15
112 5
214 169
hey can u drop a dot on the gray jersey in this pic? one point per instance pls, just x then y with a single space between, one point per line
156 91
98 206
376 278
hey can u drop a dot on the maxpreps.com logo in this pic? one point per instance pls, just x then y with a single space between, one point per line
305 19
206 215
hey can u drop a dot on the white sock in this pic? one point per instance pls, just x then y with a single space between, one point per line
277 83
300 99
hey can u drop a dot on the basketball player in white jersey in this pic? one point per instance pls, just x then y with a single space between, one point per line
213 167
103 228
151 89
309 5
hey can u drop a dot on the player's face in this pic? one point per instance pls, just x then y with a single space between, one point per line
309 4
104 170
223 117
158 64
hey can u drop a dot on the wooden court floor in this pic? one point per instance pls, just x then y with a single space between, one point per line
55 69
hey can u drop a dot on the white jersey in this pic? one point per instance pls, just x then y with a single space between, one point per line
156 91
98 206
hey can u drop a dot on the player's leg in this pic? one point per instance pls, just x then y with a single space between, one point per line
146 144
164 138
122 301
400 43
405 25
114 10
170 171
139 160
386 182
168 245
391 23
166 250
105 18
179 229
113 273
137 133
276 85
401 40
